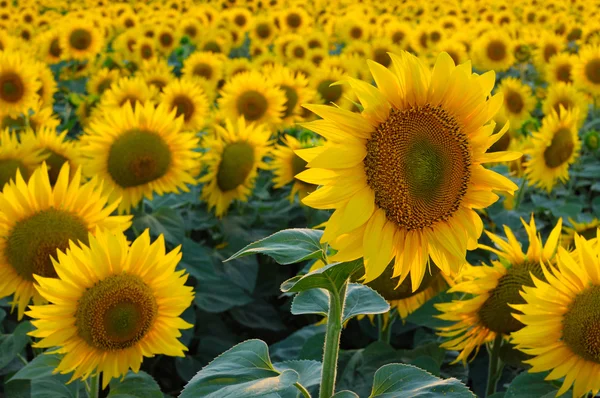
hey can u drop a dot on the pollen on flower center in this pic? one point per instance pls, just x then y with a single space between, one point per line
495 313
138 157
560 148
236 164
252 105
418 163
33 240
581 325
116 312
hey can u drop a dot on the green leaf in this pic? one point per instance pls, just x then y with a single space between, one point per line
345 394
398 380
41 366
140 385
527 385
313 301
56 387
258 315
309 371
330 277
289 246
240 372
362 300
426 314
291 347
164 221
12 344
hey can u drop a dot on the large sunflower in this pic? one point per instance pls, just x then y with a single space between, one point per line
586 72
561 314
553 149
405 175
114 304
252 96
17 157
286 165
37 219
18 84
492 289
518 101
236 152
139 153
188 99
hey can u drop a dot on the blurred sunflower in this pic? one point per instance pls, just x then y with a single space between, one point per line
18 84
156 73
47 84
128 91
423 205
493 51
548 46
123 304
296 90
166 40
586 72
236 152
567 96
295 20
80 40
139 153
586 230
251 95
263 30
553 149
518 100
560 314
204 65
324 80
101 81
493 290
16 157
286 165
188 99
37 219
560 68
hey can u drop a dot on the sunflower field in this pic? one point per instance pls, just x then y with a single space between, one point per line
295 199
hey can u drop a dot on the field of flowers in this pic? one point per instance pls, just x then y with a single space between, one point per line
295 199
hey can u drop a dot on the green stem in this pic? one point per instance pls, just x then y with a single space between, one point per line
493 372
332 341
385 333
22 358
520 194
94 391
303 390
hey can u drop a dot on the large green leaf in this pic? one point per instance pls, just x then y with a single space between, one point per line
164 221
241 372
41 366
12 344
345 394
313 301
287 247
308 371
330 277
135 385
291 347
527 385
398 380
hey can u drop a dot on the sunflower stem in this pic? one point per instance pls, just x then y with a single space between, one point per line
94 391
520 194
493 373
332 341
385 329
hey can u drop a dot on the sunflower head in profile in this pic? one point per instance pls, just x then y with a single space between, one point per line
493 51
204 65
128 91
494 289
553 149
518 101
561 314
37 219
188 99
286 165
80 39
405 175
566 95
113 304
19 83
56 149
17 157
139 152
254 97
236 153
586 72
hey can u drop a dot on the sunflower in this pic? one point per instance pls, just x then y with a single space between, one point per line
16 156
324 82
405 175
101 81
204 65
295 20
233 66
37 219
6 41
286 165
128 90
263 30
455 49
18 84
296 49
560 68
188 99
586 229
80 39
236 152
553 149
138 153
113 304
253 96
240 18
145 50
295 87
493 289
47 84
586 72
518 100
166 39
156 73
547 48
56 149
493 51
38 117
567 96
560 314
